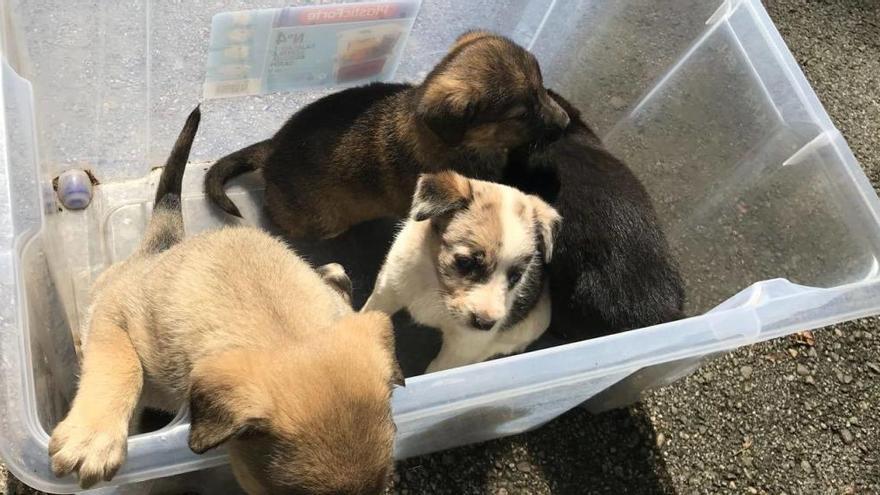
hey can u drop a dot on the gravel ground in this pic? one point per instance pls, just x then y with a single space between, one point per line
792 416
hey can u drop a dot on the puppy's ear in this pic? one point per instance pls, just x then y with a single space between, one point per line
469 36
548 222
447 107
220 403
440 194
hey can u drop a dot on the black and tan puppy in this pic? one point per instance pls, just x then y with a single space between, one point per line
356 155
266 351
611 268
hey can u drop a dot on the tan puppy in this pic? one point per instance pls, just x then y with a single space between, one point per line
470 262
355 155
269 357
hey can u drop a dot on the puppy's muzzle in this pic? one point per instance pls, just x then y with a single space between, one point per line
554 118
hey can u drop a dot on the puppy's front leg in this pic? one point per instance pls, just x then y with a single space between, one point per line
447 358
453 353
92 439
384 298
459 348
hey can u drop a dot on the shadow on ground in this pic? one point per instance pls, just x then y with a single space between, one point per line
577 453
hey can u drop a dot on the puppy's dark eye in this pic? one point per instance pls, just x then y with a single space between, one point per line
514 275
465 264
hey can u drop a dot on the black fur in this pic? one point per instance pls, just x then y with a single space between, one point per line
171 180
242 161
611 268
320 121
355 155
531 286
166 225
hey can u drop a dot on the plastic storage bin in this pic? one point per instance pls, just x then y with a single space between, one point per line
773 222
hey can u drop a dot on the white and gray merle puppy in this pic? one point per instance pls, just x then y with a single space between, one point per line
470 261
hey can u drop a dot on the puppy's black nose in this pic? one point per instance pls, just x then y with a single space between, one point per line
482 323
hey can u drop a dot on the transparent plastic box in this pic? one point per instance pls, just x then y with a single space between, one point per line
774 224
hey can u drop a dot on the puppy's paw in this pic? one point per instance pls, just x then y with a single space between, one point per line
334 274
93 450
438 364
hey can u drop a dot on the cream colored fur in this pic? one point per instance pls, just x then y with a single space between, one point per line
156 318
266 352
499 221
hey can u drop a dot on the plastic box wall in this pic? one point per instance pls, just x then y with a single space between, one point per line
773 222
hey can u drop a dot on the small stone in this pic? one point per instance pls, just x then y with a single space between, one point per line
753 489
810 380
793 352
846 436
748 462
847 379
524 467
746 372
874 367
702 429
502 491
511 465
617 102
838 332
661 440
802 370
805 466
812 352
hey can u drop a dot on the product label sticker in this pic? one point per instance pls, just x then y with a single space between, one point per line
272 50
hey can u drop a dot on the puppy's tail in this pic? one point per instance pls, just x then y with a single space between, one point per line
166 225
231 166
